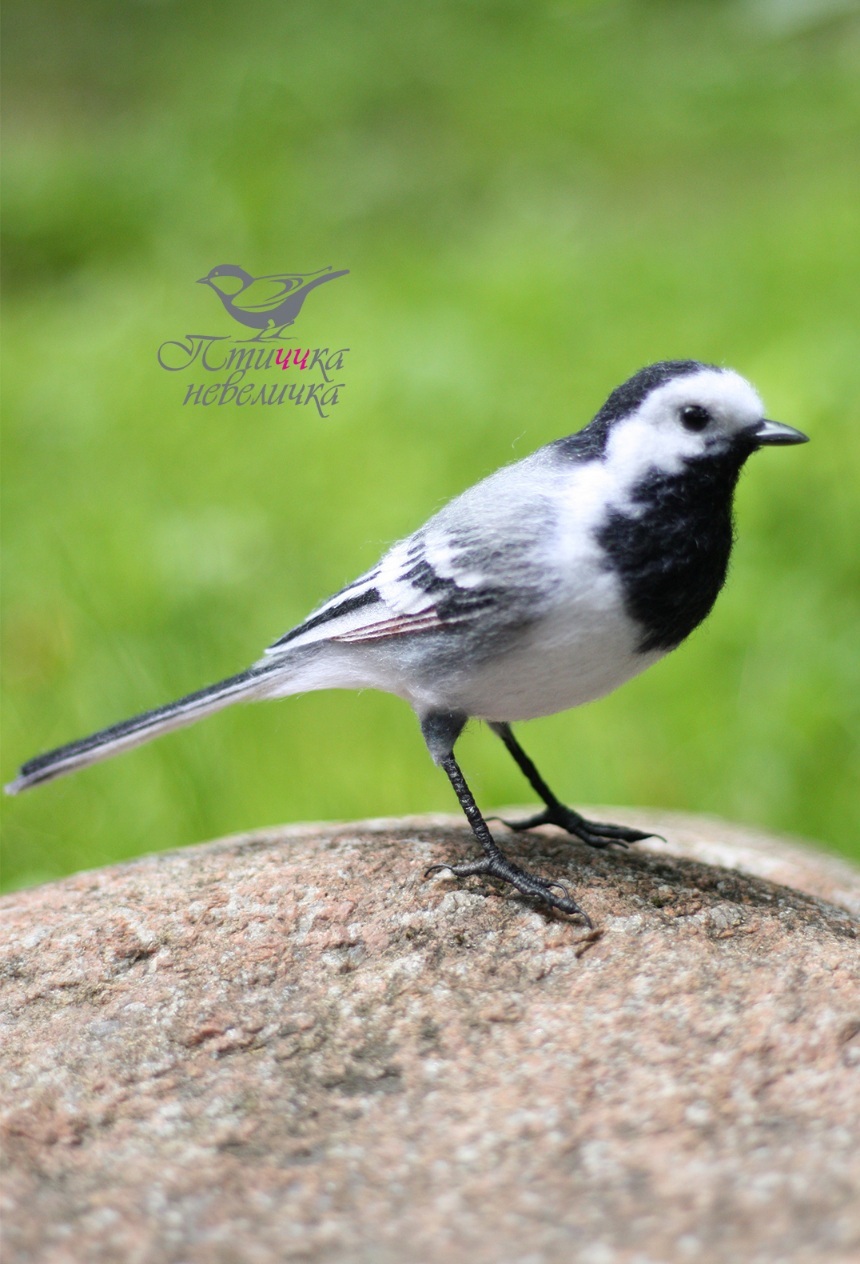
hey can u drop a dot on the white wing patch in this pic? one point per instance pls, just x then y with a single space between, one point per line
389 601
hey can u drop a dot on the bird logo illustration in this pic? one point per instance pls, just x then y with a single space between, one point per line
269 303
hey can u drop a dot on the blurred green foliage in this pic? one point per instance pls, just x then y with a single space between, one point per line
534 199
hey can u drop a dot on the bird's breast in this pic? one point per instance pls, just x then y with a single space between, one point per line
671 554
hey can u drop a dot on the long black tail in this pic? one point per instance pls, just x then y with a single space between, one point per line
141 728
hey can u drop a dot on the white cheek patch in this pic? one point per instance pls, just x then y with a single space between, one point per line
639 445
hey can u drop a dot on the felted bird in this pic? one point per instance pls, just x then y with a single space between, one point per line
268 303
544 586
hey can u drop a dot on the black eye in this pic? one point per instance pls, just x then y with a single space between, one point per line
694 417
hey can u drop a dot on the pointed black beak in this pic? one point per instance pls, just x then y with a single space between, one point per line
203 280
774 434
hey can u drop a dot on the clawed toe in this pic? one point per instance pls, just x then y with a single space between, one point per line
530 884
599 835
540 818
592 832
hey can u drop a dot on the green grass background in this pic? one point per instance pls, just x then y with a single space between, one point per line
533 200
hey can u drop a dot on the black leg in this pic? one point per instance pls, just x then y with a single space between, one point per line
495 863
557 813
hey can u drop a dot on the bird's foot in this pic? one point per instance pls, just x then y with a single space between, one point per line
543 889
592 832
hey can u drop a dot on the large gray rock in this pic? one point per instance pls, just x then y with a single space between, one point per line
291 1046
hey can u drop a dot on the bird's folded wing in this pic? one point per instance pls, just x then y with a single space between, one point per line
404 595
266 293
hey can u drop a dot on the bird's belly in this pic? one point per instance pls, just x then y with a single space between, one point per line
579 651
559 668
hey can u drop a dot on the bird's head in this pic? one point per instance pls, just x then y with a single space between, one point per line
675 413
227 279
